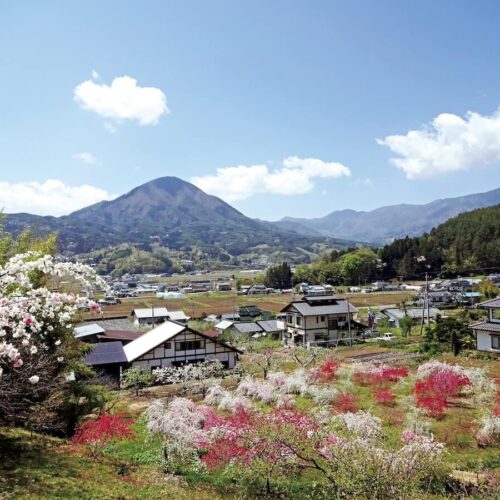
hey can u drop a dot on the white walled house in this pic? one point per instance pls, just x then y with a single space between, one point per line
317 320
173 344
488 332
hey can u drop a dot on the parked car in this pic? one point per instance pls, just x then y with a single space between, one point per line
387 337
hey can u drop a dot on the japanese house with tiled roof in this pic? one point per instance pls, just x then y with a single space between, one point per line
317 320
169 344
488 332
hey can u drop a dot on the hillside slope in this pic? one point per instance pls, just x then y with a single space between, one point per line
171 212
469 242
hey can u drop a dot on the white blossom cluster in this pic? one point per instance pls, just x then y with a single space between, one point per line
226 400
362 424
279 387
489 433
28 314
194 371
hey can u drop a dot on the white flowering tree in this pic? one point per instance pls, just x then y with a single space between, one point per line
200 375
38 353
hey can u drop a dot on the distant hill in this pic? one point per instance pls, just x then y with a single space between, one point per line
467 243
175 214
384 224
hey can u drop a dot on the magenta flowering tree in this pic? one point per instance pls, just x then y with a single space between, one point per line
38 353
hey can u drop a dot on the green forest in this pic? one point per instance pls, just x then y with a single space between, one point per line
468 243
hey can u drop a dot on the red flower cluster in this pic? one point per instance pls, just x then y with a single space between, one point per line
327 371
103 429
246 437
346 403
434 391
380 375
384 397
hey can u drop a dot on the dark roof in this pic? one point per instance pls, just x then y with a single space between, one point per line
119 335
493 303
270 325
486 327
247 327
249 311
106 353
325 298
337 306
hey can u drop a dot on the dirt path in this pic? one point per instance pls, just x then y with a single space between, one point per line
381 357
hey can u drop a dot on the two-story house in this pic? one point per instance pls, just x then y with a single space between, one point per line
169 344
317 320
488 332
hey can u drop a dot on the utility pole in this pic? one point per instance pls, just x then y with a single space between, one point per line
349 322
425 305
427 299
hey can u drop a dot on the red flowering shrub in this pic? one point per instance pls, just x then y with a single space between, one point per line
384 397
434 391
380 375
346 403
394 373
246 437
96 433
326 372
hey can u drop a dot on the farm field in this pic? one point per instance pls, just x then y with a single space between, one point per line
198 305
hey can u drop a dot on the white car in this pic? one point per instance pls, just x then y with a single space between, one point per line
387 337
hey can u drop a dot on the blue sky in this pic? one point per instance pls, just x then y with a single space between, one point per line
293 93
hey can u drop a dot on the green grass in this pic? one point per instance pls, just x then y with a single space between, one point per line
39 467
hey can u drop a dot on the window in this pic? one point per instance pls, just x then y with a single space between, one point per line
495 342
168 345
289 319
299 320
189 345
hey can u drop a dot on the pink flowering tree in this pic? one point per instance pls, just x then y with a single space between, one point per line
346 455
38 352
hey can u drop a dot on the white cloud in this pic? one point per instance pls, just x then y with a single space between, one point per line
95 75
295 176
448 144
88 158
51 197
122 100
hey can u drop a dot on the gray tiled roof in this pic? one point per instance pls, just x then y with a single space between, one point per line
494 303
247 327
486 326
117 324
270 325
339 307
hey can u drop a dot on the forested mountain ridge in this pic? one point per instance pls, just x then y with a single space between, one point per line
177 215
382 225
469 242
